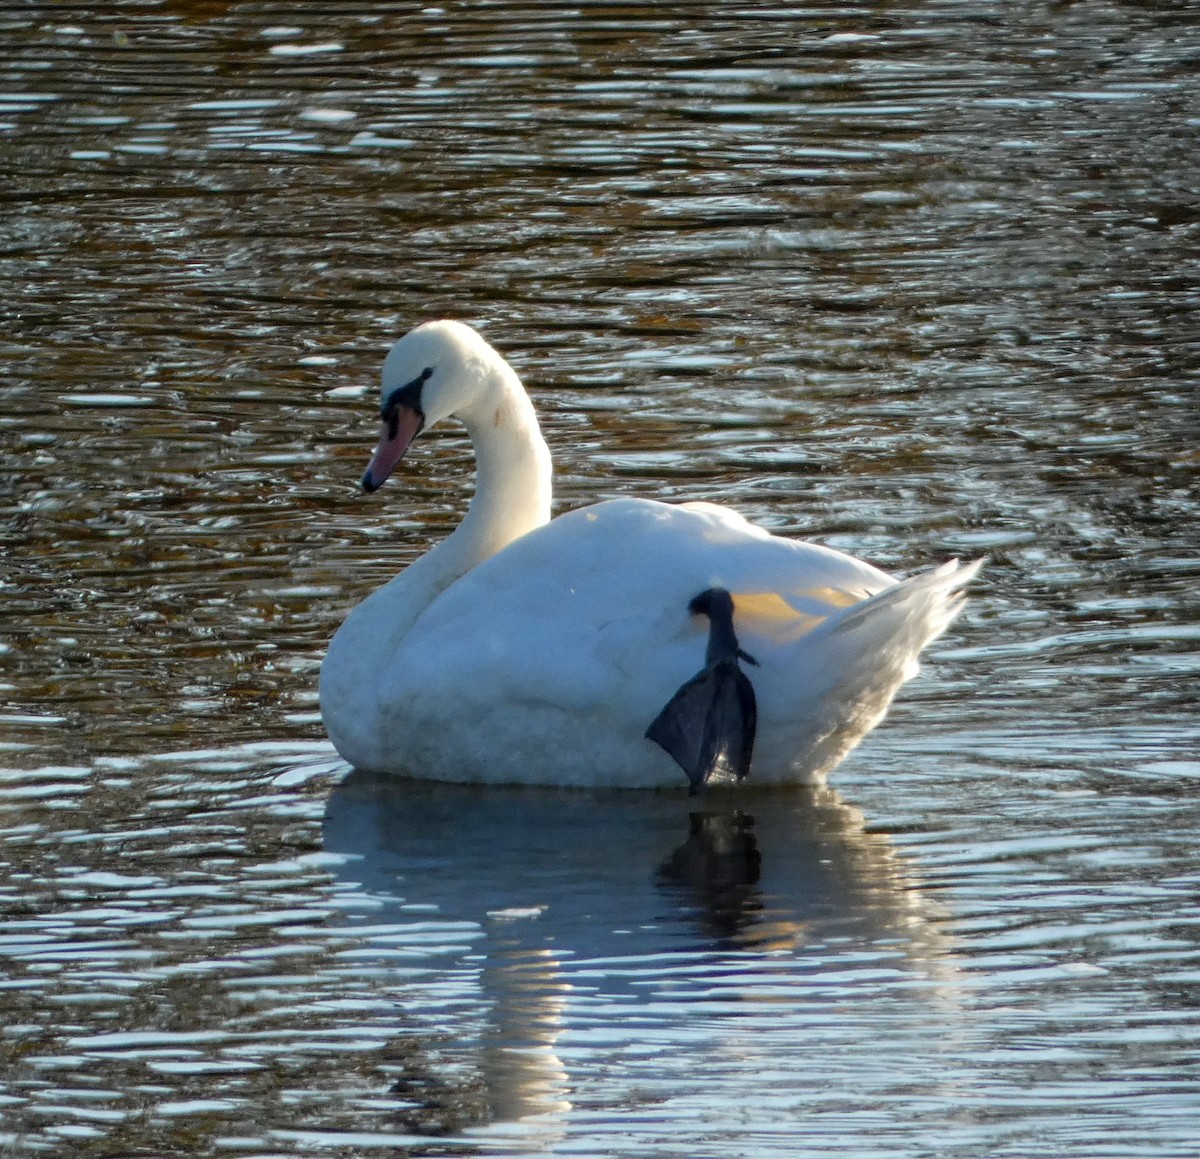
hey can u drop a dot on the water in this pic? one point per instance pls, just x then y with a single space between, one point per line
913 280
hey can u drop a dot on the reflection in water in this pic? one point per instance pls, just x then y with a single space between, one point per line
720 864
609 904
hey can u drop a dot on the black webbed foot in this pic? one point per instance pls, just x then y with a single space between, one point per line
708 726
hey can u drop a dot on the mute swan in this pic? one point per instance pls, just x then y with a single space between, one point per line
527 650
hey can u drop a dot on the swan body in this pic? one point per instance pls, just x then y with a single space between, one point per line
525 650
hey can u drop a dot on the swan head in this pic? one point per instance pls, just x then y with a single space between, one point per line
437 370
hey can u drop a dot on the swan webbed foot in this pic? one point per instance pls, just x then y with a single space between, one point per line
708 726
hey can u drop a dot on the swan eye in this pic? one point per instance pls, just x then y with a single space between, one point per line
408 395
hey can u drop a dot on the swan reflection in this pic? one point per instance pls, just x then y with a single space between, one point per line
592 913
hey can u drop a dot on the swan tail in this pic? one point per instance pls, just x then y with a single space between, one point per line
708 726
875 646
925 605
842 676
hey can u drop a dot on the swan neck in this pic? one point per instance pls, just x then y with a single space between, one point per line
512 467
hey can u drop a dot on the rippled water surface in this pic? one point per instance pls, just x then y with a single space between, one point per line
913 280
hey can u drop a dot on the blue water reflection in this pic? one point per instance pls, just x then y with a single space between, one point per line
687 926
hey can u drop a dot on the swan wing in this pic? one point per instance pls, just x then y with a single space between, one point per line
570 640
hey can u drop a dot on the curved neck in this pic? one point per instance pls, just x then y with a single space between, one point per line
512 468
512 488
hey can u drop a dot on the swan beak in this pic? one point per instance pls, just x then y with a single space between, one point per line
395 439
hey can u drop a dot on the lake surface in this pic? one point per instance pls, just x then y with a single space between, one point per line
912 280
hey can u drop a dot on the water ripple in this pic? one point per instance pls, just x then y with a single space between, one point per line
908 281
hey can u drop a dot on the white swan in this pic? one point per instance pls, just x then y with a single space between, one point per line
528 650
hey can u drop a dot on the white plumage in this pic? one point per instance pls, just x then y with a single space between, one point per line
528 650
